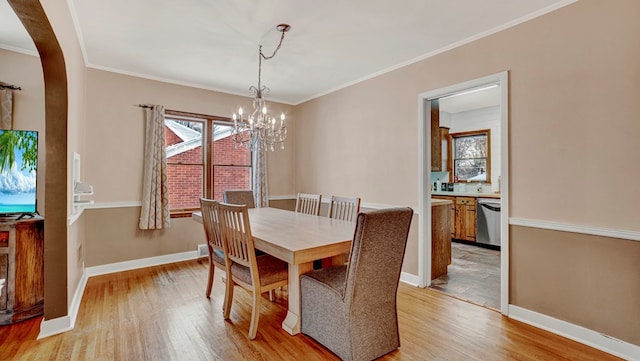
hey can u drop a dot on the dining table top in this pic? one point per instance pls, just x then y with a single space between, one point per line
297 237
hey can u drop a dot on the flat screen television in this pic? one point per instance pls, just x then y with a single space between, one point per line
18 170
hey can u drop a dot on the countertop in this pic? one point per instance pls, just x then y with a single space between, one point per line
440 202
466 194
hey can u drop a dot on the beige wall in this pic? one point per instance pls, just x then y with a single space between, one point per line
573 97
586 280
114 132
113 236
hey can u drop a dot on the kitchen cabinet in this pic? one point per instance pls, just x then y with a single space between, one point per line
445 152
440 237
436 146
452 213
463 217
465 227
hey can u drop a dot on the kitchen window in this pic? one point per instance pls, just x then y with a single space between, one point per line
471 161
199 165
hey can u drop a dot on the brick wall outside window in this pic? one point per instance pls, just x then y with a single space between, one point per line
186 180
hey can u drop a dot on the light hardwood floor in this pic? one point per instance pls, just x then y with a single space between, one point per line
161 313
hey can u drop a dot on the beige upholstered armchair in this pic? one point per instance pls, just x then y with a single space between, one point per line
240 196
351 309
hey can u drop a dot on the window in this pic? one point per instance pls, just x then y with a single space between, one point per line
201 166
471 156
231 167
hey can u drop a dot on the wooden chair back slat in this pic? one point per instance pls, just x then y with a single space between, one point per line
240 247
308 203
344 208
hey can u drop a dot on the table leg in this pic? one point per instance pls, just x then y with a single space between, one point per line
291 323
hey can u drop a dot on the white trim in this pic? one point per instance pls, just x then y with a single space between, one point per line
424 174
424 193
327 200
66 323
73 217
282 197
271 198
576 228
105 205
78 30
140 263
77 298
379 206
55 326
577 333
178 82
19 50
409 279
504 182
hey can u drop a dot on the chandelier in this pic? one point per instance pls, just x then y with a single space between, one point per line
259 128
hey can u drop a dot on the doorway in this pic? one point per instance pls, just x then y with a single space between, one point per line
496 176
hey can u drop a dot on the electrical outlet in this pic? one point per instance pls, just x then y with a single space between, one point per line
203 250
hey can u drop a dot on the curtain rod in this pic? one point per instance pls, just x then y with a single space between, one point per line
147 106
9 86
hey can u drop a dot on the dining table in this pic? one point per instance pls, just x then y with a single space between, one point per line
298 239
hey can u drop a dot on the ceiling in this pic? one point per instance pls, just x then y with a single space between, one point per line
213 44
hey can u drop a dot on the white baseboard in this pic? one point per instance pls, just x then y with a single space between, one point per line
140 263
65 323
577 333
55 326
409 279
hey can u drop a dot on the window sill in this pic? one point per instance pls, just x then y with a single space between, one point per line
183 214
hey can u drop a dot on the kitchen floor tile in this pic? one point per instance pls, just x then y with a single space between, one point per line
473 275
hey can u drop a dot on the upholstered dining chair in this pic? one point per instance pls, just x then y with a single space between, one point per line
240 196
344 208
308 203
257 274
351 309
215 243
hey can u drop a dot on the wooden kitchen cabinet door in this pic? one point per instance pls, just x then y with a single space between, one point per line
465 225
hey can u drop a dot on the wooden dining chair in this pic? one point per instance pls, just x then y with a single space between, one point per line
215 242
344 208
240 196
257 274
308 203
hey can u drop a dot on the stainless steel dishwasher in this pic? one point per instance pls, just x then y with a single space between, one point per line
488 222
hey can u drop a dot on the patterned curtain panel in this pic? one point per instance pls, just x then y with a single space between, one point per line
6 109
260 175
155 188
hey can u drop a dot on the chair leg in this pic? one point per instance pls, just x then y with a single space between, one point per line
271 298
255 315
210 282
228 298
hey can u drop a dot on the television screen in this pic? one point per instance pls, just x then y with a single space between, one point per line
18 167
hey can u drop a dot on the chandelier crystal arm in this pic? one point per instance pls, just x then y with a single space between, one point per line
260 129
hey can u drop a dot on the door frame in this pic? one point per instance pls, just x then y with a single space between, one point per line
424 177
